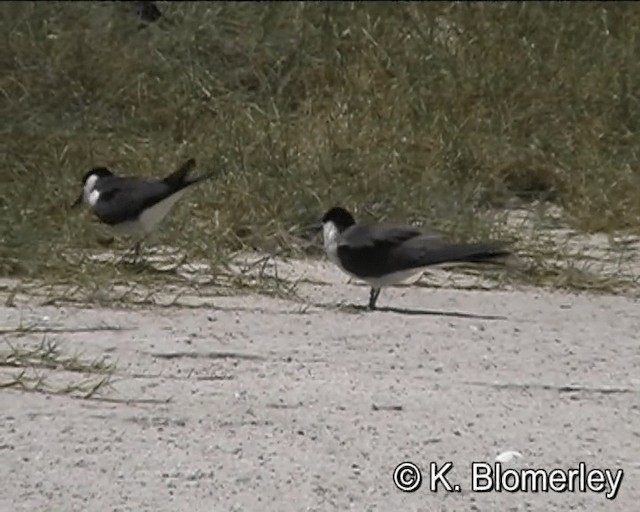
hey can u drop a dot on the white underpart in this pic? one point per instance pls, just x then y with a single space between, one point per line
330 236
150 218
402 277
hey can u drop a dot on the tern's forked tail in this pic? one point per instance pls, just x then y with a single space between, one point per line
179 179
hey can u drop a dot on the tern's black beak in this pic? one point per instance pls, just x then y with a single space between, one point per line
77 201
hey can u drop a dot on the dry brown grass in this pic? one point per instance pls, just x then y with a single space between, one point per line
432 112
36 365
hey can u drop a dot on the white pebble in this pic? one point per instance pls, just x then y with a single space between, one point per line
508 456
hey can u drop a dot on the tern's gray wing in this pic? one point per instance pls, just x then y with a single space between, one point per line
367 250
123 199
423 251
370 251
363 236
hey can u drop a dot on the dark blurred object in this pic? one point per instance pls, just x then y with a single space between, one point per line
147 11
105 241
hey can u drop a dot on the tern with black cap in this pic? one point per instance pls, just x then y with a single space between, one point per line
134 206
385 255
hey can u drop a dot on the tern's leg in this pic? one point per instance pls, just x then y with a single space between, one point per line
373 297
133 253
136 250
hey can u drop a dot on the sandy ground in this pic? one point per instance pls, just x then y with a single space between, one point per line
252 403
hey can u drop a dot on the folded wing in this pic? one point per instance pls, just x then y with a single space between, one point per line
370 251
123 199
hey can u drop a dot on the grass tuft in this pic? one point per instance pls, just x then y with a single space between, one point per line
35 365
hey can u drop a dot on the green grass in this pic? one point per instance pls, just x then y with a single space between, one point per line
444 114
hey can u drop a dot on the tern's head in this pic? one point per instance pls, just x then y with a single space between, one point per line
339 217
334 222
89 181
